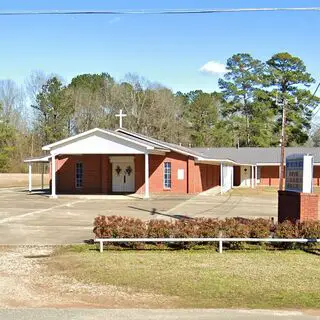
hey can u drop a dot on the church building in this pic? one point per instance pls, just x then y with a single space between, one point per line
102 161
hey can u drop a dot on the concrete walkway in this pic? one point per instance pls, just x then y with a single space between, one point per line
211 204
36 219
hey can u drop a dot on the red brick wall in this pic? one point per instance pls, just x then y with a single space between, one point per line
269 176
295 206
316 176
98 174
156 164
197 178
202 177
236 176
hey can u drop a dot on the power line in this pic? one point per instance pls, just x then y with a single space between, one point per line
150 12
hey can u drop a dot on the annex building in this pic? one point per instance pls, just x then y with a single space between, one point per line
102 161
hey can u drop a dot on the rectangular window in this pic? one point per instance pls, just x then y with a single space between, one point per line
79 175
167 175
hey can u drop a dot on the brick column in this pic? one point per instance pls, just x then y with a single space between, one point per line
105 174
295 206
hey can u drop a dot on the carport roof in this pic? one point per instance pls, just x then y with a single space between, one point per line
253 156
43 159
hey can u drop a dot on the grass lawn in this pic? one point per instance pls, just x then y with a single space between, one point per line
260 191
201 278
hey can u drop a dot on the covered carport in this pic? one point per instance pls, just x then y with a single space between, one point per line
226 171
42 160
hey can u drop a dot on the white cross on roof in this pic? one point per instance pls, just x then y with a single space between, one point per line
120 116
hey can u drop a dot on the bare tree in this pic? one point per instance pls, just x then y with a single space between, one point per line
12 100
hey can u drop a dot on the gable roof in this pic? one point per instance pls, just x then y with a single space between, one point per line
254 156
170 146
145 144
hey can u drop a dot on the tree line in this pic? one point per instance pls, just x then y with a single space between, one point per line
246 111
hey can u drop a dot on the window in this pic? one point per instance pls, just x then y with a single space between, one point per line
167 175
79 175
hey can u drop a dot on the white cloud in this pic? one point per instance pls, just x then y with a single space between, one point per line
114 20
213 67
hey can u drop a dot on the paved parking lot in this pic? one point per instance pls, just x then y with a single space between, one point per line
36 219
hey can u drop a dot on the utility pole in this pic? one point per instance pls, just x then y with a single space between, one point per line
283 143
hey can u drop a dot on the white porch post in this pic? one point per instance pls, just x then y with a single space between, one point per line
252 176
30 177
146 176
232 177
221 178
42 173
53 176
256 174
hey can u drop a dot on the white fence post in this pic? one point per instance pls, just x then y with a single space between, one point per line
220 246
101 246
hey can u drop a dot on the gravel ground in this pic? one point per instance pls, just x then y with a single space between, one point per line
26 283
138 314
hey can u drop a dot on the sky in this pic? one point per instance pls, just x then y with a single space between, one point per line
182 52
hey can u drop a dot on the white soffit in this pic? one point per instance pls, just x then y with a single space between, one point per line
97 142
216 161
105 134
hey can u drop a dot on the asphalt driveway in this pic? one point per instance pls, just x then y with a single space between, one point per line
36 219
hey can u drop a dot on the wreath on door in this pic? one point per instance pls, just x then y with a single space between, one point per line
128 170
118 170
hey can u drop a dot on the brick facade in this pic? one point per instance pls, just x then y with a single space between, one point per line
295 206
236 176
97 177
269 176
197 177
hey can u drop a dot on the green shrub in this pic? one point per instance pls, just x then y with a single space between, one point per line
208 228
119 227
232 228
159 229
235 228
286 229
124 227
309 229
260 228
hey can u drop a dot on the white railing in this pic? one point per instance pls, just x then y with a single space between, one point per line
220 240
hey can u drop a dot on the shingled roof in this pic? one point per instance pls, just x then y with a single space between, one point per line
256 155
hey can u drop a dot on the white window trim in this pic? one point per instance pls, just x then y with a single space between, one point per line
79 162
164 172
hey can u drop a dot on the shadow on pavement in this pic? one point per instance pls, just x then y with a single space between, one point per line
154 211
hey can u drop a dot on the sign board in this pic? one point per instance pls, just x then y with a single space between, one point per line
299 173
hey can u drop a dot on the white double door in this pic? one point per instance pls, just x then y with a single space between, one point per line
123 176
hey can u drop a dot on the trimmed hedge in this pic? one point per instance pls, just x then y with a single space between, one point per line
124 227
